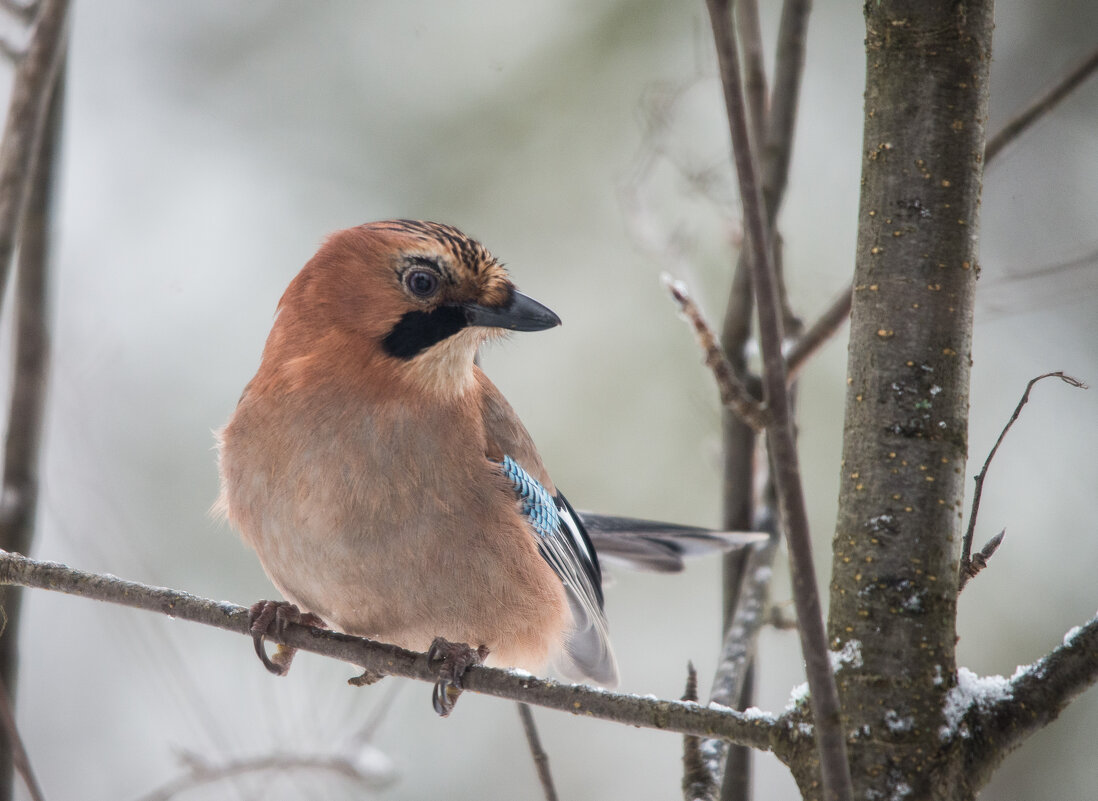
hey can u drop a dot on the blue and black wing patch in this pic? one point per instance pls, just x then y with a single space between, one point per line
564 544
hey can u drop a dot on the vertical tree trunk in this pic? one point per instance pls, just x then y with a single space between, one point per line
894 586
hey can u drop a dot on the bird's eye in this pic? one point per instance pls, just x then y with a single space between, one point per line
421 283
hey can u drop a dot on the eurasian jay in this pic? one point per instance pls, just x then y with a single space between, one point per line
388 487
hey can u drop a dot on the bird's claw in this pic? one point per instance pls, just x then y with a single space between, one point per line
453 659
271 618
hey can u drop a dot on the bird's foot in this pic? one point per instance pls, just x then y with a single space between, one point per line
271 618
453 659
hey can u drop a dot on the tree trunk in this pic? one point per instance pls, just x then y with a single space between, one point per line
894 586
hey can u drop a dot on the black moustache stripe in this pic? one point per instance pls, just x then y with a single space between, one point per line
416 331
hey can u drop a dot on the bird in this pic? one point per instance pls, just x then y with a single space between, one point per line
389 489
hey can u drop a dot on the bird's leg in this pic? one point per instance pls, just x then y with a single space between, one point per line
272 617
453 659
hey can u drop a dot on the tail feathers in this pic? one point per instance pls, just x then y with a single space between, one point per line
658 547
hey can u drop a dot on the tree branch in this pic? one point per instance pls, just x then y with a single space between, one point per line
1040 106
997 716
750 30
966 564
734 394
202 773
825 327
835 771
839 310
737 654
541 759
18 751
672 716
782 121
25 122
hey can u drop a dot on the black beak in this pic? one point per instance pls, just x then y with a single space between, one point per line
520 313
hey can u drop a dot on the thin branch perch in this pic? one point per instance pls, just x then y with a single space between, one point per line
672 716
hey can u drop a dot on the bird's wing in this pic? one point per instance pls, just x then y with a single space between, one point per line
655 546
562 540
564 544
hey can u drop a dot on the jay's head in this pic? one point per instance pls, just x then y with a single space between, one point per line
419 296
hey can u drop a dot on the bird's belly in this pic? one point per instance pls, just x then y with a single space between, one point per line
372 557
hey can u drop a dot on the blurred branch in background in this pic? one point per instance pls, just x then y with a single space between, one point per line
1041 105
26 121
28 168
839 309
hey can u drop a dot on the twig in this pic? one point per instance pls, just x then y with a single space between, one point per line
738 649
698 782
541 759
734 394
1086 260
750 31
201 773
1041 106
19 757
24 12
782 121
839 310
671 716
25 122
834 769
825 327
966 542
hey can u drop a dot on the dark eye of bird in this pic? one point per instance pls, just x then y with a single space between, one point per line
422 283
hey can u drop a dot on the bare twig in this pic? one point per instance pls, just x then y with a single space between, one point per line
781 123
541 759
734 394
750 31
837 313
24 12
1041 105
835 771
698 782
825 327
966 543
672 716
19 757
1086 261
201 773
25 123
738 652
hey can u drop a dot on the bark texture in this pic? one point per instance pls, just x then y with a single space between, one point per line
894 586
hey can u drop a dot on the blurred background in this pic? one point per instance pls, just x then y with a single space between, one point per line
208 149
